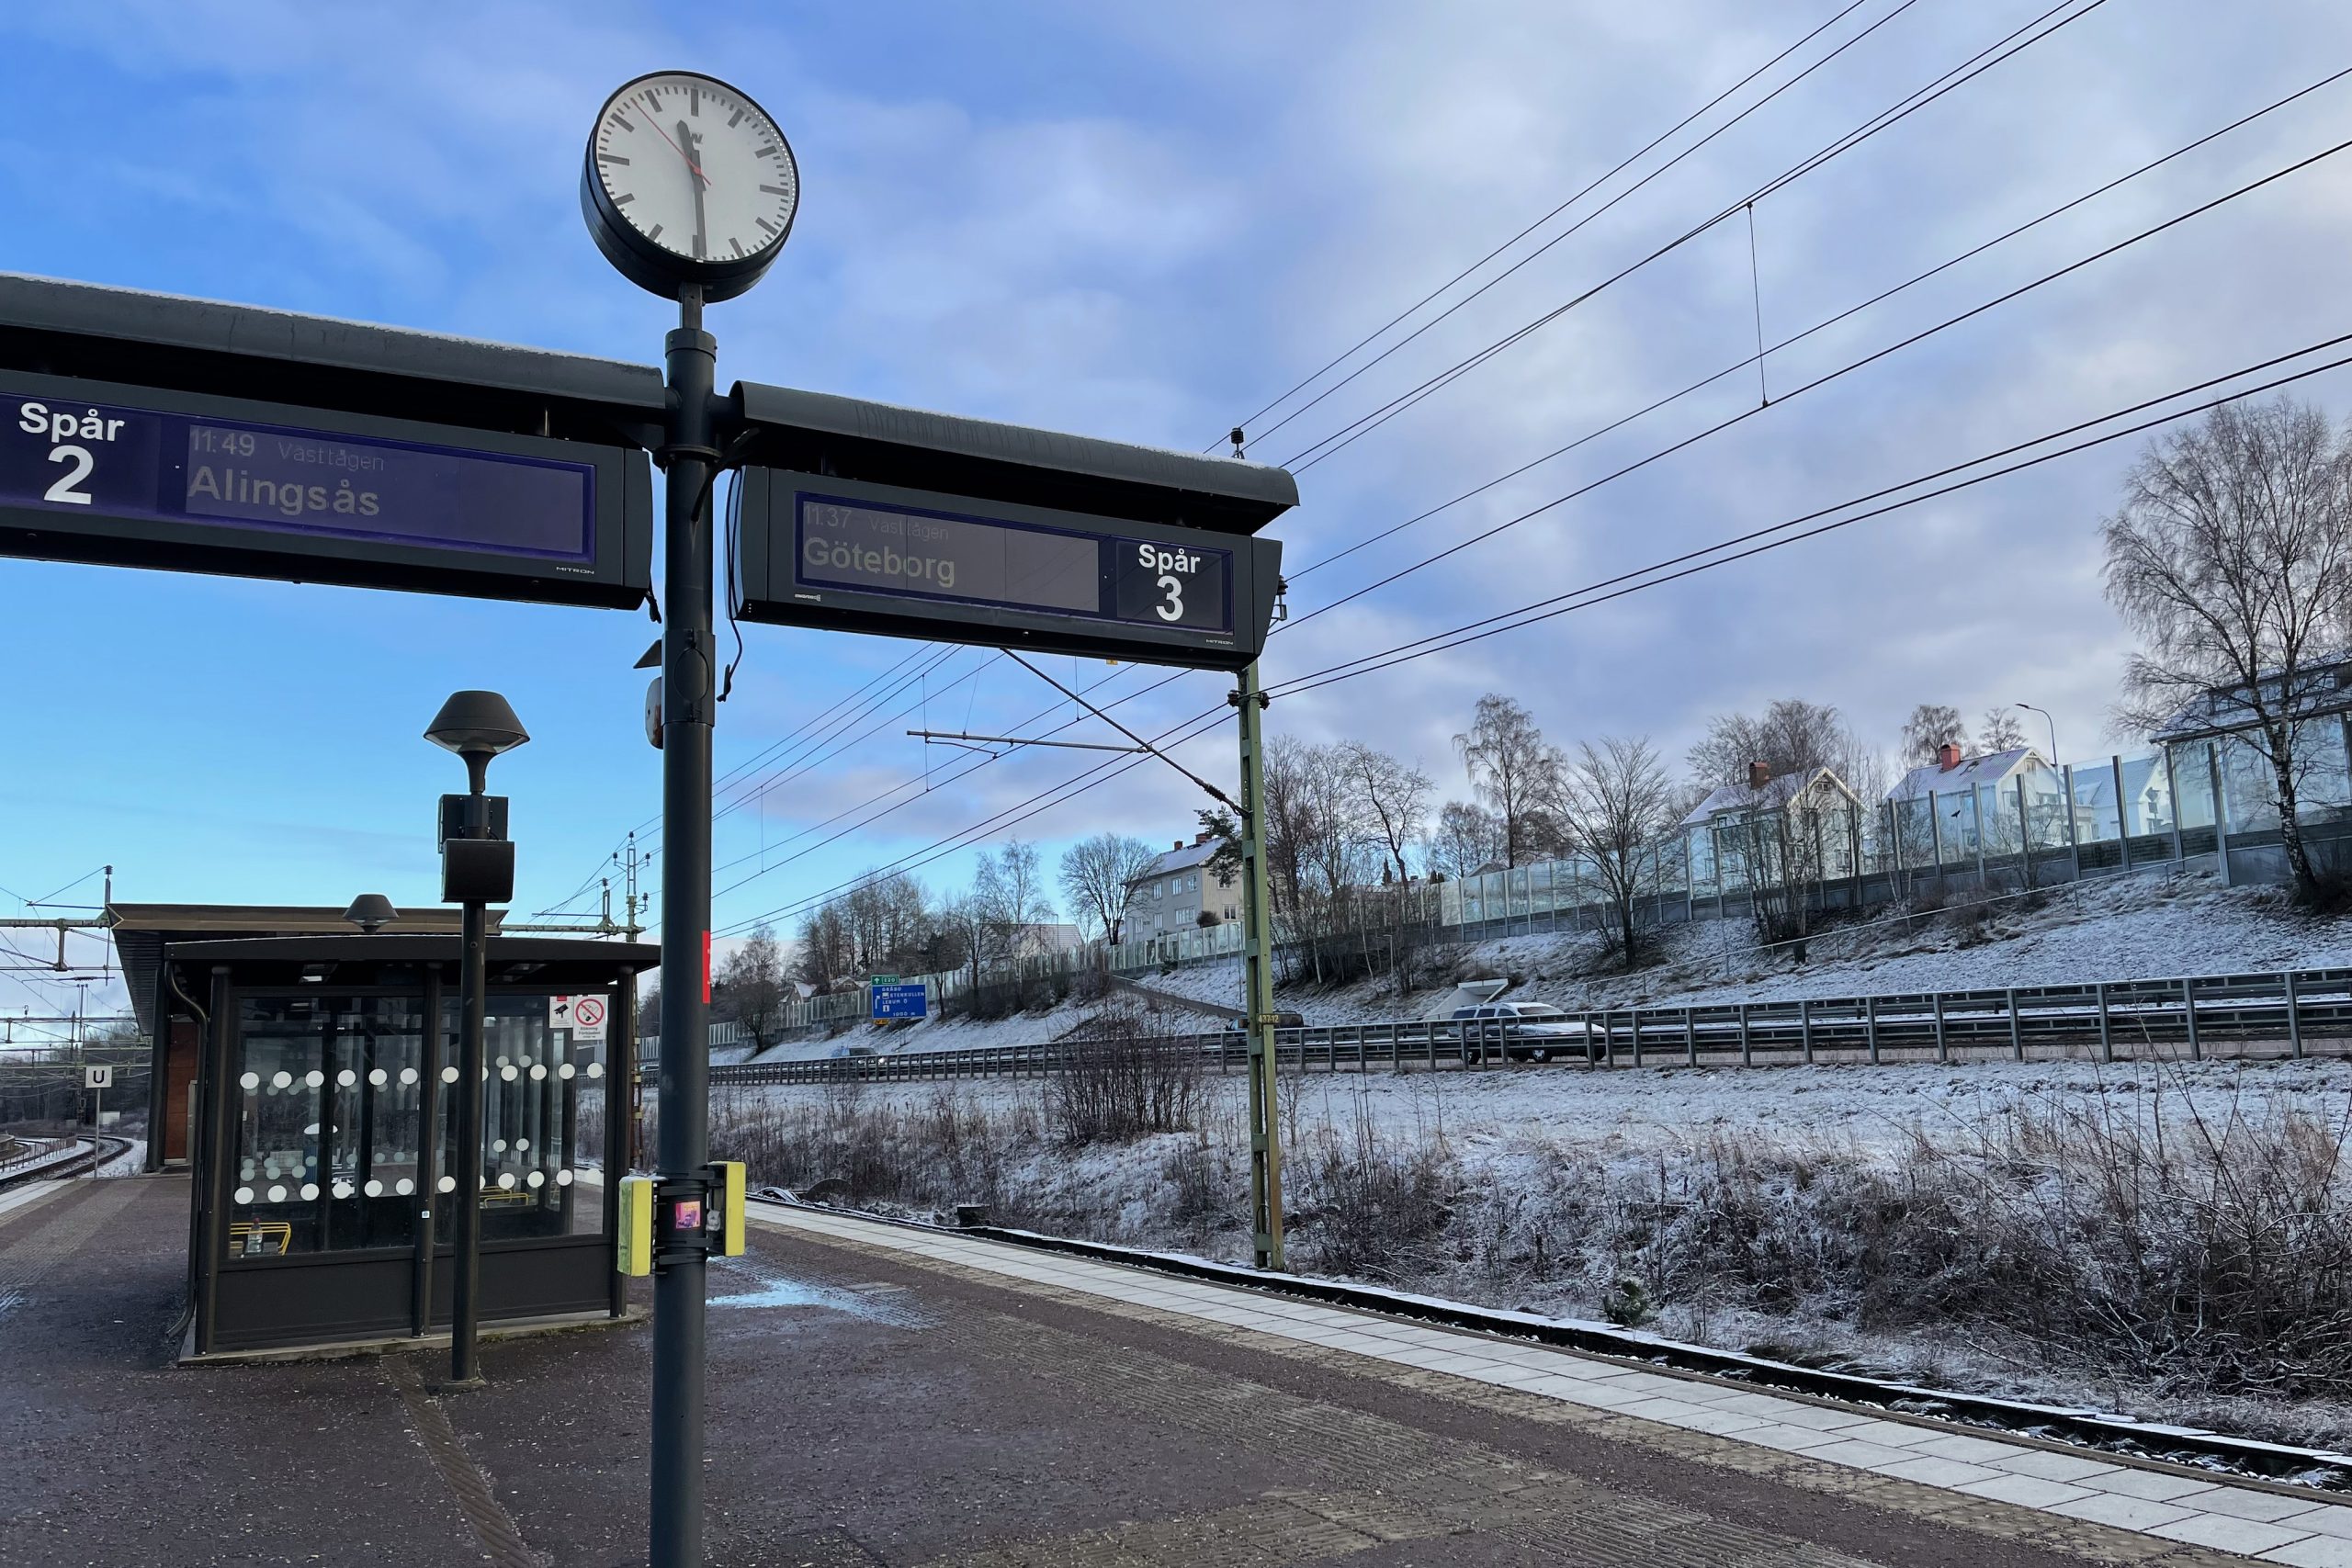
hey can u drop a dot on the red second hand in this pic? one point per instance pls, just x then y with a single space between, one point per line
653 118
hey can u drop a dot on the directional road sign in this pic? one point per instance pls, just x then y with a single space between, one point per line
898 1001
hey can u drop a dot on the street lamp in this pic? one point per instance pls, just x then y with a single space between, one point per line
2053 729
477 870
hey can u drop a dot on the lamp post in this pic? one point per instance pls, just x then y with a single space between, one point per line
477 869
2054 727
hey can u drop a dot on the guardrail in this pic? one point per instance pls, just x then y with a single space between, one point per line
2294 1012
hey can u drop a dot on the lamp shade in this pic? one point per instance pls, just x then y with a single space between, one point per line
476 722
370 912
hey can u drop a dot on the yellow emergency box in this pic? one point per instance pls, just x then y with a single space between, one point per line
637 1224
728 1180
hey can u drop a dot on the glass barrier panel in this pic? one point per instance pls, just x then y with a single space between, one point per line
2045 807
1996 810
2092 791
2249 788
2192 778
2323 791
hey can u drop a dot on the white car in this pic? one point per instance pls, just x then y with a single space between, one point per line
1528 1031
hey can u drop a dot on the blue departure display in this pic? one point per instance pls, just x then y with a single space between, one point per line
92 459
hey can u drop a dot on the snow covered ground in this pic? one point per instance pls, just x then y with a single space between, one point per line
1646 1108
2122 927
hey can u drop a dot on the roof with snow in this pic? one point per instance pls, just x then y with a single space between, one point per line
1725 799
1991 768
1183 858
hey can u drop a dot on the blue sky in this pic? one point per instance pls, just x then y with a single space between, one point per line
1143 223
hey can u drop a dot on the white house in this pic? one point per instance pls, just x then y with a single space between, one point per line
1171 895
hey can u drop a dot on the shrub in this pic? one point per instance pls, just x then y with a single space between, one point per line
1117 1082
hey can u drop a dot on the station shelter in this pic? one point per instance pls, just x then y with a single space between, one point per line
319 1114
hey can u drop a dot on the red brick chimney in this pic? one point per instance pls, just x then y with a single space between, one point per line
1758 774
1947 756
1177 845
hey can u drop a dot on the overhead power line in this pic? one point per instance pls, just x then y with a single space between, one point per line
1712 556
1644 150
1295 574
1919 98
1825 379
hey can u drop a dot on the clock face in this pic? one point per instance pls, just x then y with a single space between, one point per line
695 167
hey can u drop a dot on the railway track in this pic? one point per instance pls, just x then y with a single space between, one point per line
105 1150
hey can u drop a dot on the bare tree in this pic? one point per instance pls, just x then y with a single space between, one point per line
1786 828
1010 889
1097 874
2229 559
1999 730
825 955
1930 725
1512 768
754 976
1615 807
1467 836
1391 798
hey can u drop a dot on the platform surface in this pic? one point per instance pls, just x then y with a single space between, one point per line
884 1396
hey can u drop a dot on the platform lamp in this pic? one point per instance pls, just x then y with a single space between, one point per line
477 870
371 912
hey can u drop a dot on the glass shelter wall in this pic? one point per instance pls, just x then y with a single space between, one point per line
327 1109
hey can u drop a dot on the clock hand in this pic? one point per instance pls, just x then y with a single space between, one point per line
701 179
685 139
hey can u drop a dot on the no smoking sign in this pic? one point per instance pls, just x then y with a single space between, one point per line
584 1016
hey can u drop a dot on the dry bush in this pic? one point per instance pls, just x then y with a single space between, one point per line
1371 1205
1116 1082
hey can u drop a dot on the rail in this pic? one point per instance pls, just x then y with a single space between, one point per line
2289 1013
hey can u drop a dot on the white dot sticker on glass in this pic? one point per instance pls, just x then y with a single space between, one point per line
251 1080
347 1078
506 1181
374 1189
506 1073
379 1078
244 1194
538 1072
564 1071
310 1190
535 1179
498 1145
313 1078
447 1184
408 1075
404 1187
283 1080
448 1075
499 1063
564 1178
278 1194
522 1143
595 1069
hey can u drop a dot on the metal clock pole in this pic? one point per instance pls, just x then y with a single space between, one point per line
688 693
